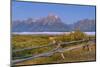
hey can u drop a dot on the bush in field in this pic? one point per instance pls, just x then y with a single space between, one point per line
77 35
72 36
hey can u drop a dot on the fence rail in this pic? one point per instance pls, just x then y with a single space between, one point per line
50 44
29 48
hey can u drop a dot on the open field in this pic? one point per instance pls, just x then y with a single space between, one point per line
70 56
73 55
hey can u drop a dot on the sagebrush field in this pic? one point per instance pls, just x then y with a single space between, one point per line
74 55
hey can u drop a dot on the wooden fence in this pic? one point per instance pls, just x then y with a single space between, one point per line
51 52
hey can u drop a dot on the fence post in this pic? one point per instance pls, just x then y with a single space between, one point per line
61 53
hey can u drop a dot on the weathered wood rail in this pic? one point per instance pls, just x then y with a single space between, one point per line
51 52
50 44
34 47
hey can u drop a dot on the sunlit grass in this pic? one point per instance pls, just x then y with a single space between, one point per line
23 41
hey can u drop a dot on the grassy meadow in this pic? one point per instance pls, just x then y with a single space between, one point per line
76 55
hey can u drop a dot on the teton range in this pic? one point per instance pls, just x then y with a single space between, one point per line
52 23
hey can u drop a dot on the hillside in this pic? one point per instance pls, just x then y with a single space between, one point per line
51 23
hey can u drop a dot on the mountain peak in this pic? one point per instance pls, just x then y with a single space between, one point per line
52 18
51 15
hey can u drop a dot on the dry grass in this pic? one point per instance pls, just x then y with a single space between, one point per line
75 55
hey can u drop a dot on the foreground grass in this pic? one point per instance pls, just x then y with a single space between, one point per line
76 55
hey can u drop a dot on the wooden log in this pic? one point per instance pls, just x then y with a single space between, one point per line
62 55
